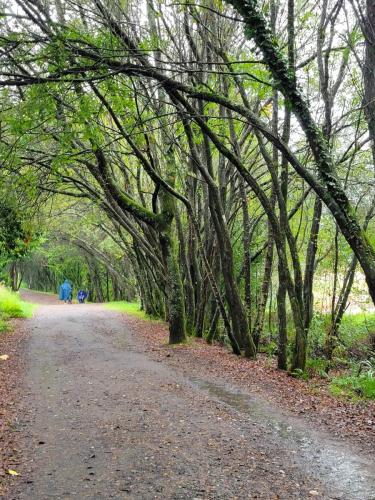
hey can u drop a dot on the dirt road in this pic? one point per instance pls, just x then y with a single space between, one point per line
99 419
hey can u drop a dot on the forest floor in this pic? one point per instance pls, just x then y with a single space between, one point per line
97 406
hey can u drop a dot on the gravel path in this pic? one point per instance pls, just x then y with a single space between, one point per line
99 419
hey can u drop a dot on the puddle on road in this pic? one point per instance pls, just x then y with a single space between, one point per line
346 474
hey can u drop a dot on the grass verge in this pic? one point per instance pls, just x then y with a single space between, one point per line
132 308
354 387
11 306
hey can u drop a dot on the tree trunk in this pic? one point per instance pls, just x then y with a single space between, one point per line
310 263
13 274
264 292
369 71
188 284
174 287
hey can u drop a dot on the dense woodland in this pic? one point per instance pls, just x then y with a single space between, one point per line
214 160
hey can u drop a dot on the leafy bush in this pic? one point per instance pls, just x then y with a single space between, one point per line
368 367
10 304
317 335
356 333
270 348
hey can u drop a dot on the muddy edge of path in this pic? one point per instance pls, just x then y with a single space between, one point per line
311 400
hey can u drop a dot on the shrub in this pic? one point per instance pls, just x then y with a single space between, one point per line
11 306
354 387
361 382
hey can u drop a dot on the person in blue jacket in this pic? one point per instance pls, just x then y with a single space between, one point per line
66 292
81 296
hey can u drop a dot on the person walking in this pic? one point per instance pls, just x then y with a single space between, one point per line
66 292
81 296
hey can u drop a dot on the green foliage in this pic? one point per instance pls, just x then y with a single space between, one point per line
356 331
11 306
17 236
298 373
354 387
317 334
4 326
270 348
356 327
13 237
359 383
317 367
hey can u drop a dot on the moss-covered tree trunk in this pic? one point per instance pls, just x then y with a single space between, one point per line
174 286
264 290
174 289
187 282
368 28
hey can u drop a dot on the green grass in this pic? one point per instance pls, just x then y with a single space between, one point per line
11 306
132 308
354 387
4 326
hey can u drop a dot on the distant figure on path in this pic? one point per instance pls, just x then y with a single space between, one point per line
81 296
66 292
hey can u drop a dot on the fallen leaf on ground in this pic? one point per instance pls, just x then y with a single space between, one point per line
12 472
4 357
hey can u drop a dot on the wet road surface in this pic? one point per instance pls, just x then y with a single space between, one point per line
101 420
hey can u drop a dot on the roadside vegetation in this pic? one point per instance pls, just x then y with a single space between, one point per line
356 386
132 308
11 306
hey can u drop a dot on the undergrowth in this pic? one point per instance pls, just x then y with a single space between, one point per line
354 387
356 335
11 306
